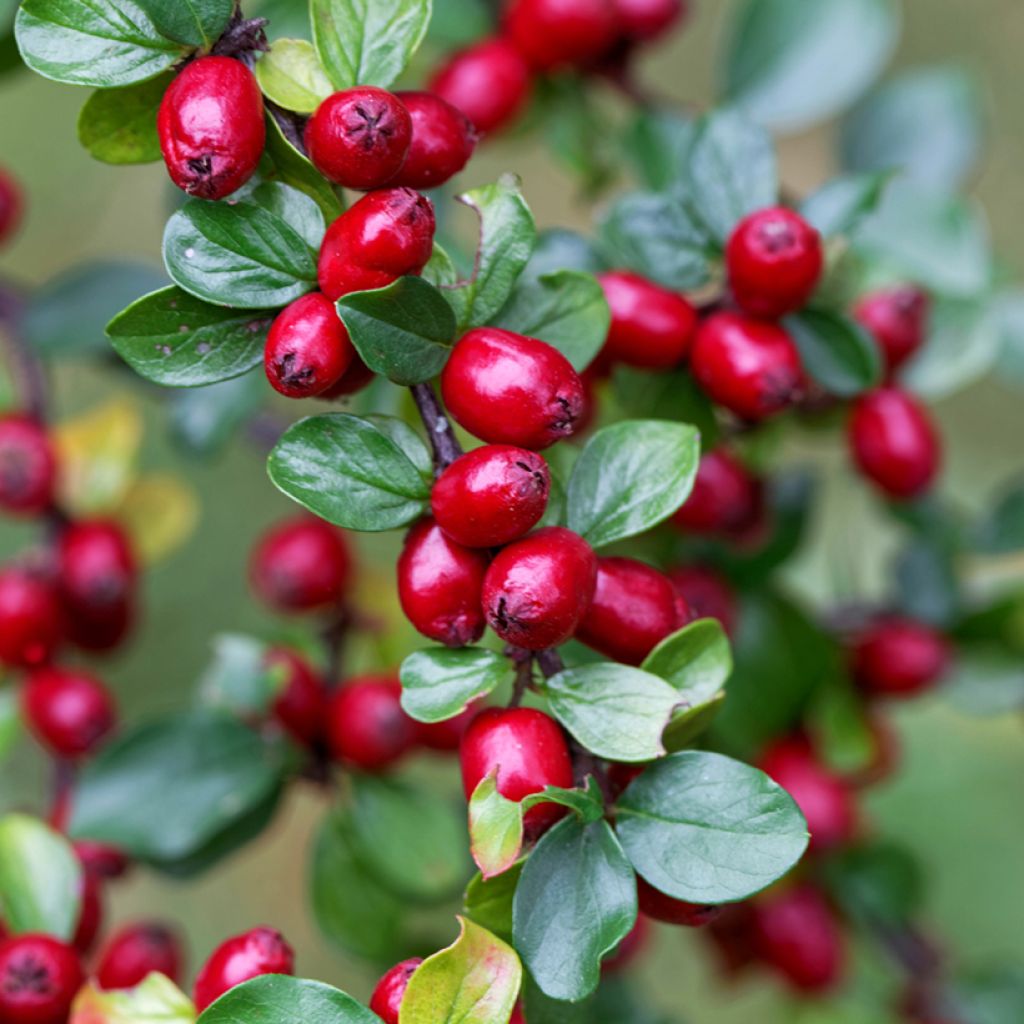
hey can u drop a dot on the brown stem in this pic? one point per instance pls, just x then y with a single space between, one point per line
523 660
550 662
335 636
439 429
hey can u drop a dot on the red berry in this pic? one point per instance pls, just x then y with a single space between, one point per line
627 951
506 388
529 751
100 859
10 206
620 775
633 610
308 348
387 996
135 952
302 565
774 261
366 726
561 33
360 137
443 140
749 366
211 127
388 234
731 933
439 585
302 700
489 82
491 496
898 320
28 466
726 497
30 618
657 905
899 657
446 736
39 978
538 590
645 20
894 443
355 378
240 959
708 595
90 918
69 711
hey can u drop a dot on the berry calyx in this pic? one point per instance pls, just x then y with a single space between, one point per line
388 234
899 657
726 497
554 34
660 907
30 618
69 711
366 726
774 261
239 959
707 594
897 319
301 701
387 996
651 327
506 388
360 137
39 978
529 751
538 590
643 21
894 443
443 140
131 954
211 127
10 206
492 495
28 466
308 348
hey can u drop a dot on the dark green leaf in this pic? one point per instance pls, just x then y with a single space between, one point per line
290 75
927 588
576 127
279 999
489 901
439 682
657 143
542 1009
118 126
666 395
876 884
298 210
697 660
836 351
559 249
844 738
292 167
1000 531
193 22
839 207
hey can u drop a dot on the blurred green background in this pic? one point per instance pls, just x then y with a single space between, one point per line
957 802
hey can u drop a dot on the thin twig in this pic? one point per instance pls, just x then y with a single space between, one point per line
523 660
445 445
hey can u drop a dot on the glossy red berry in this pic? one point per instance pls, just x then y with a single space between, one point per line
894 443
707 594
443 140
517 1015
28 466
529 751
308 348
538 590
620 775
239 959
774 260
506 388
355 378
732 935
301 701
489 82
101 859
629 949
69 711
554 34
446 737
10 206
726 496
211 127
388 234
657 905
387 996
302 565
899 657
39 978
748 366
645 20
360 137
651 327
134 952
633 610
492 495
366 726
897 319
30 618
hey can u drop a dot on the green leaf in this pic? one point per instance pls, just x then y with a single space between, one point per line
175 339
878 884
40 878
558 249
440 682
292 167
926 582
222 771
156 1000
838 207
566 309
351 472
665 395
706 829
614 711
1000 530
630 477
991 996
986 680
279 999
495 828
10 721
696 660
488 901
404 331
367 42
788 64
657 143
102 43
193 22
237 254
731 171
203 420
836 351
474 981
576 900
238 679
118 126
290 75
297 209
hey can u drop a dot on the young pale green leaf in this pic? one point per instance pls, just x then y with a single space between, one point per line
697 661
367 42
836 351
351 472
839 207
488 901
576 900
118 126
789 64
237 254
238 678
495 828
156 1000
293 168
102 43
192 22
440 682
290 75
706 829
474 981
630 477
279 999
175 339
404 331
40 878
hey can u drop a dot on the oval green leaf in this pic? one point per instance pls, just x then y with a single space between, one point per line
118 126
836 351
838 207
697 661
193 22
495 828
291 76
438 683
279 999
